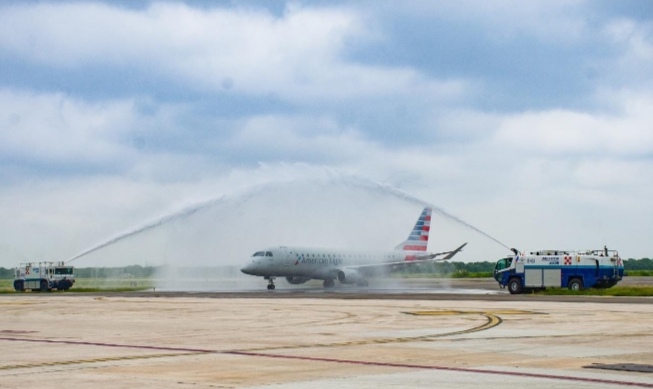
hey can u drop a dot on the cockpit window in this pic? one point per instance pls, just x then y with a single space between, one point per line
268 253
259 254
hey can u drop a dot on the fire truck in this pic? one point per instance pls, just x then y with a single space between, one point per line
575 270
43 276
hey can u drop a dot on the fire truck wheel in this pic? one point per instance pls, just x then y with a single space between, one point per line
514 286
575 284
18 285
44 286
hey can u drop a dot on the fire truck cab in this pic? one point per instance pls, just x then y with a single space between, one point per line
559 268
43 276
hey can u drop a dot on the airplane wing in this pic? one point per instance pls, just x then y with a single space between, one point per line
385 267
450 254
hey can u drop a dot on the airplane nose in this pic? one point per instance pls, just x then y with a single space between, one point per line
248 269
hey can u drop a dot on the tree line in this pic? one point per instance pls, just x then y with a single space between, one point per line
135 271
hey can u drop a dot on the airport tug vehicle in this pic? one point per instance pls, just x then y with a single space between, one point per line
575 270
43 276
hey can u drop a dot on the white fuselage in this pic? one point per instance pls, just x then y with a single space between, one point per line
315 262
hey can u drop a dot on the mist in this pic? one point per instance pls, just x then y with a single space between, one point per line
203 247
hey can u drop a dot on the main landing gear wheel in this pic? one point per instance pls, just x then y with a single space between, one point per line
329 283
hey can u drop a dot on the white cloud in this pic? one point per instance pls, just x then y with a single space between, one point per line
634 37
300 137
52 131
575 134
518 166
246 51
503 20
55 127
631 66
542 177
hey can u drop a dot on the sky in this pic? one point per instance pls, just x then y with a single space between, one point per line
531 121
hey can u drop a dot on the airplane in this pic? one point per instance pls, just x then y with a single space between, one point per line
301 264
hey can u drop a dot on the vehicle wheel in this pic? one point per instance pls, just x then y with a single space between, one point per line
329 283
514 286
270 286
575 284
18 285
44 286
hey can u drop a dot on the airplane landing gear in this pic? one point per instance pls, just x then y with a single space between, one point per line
329 283
271 283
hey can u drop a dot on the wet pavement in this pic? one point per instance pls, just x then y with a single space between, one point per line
180 340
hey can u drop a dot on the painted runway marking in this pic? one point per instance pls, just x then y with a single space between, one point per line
94 360
190 351
17 332
82 343
445 368
492 312
491 321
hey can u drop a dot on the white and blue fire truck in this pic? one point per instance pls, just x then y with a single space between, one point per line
43 276
575 270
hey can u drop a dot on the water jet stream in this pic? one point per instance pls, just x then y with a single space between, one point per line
185 213
286 188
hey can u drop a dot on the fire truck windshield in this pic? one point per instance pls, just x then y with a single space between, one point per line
63 270
502 264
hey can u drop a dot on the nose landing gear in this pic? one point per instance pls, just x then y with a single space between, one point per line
271 283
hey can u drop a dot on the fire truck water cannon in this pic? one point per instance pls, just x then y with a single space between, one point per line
575 270
43 276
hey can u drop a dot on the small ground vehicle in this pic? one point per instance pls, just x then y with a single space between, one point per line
559 268
43 276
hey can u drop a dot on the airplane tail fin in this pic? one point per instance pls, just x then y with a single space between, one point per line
419 236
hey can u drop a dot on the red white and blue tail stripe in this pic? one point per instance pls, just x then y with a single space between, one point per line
419 236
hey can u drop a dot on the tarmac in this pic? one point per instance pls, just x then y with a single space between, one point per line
268 340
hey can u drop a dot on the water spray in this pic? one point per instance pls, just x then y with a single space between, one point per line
250 194
410 198
180 215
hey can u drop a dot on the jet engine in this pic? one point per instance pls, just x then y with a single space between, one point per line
297 280
350 276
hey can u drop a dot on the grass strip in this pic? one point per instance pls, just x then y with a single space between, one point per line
632 291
